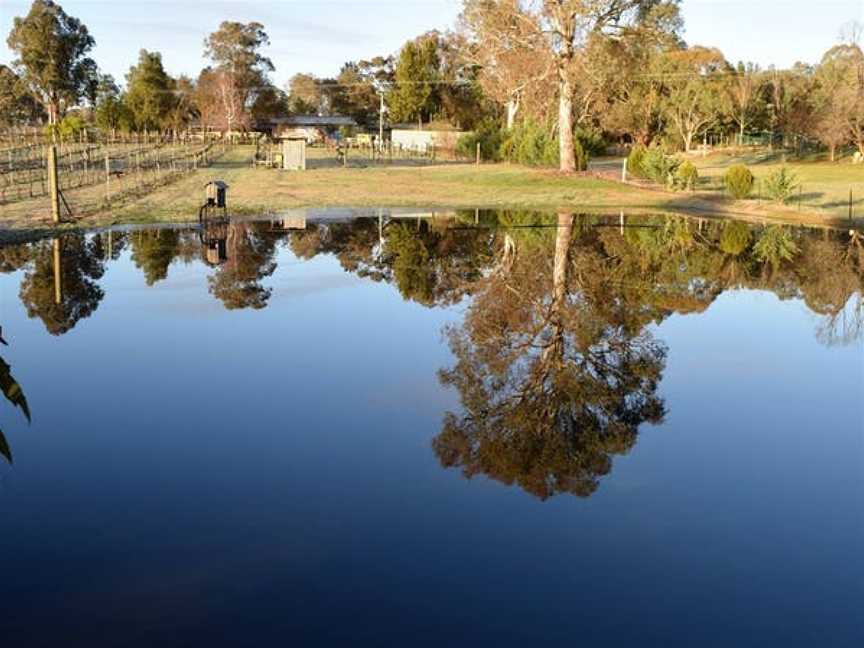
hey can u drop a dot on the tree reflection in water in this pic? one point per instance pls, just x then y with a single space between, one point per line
59 285
250 250
553 365
551 380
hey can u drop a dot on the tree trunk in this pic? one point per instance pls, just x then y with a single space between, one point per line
512 109
741 134
565 124
552 353
562 254
688 141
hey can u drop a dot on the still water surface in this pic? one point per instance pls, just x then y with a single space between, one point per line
478 428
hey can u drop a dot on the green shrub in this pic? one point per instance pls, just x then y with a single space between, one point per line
735 238
659 167
489 135
531 144
592 140
580 155
687 175
634 161
68 128
775 245
739 181
528 143
780 184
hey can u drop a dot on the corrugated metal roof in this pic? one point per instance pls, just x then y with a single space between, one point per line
315 120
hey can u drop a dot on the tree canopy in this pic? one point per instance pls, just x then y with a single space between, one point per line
52 49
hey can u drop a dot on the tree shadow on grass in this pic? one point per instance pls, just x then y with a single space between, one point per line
843 203
359 162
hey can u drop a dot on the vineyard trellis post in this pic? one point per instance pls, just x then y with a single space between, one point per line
53 182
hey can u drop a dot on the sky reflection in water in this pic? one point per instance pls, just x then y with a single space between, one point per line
255 433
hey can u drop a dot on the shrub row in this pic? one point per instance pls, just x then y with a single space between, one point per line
528 143
653 164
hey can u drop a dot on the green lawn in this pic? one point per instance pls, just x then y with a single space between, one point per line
824 186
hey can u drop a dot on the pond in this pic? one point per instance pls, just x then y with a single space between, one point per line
459 428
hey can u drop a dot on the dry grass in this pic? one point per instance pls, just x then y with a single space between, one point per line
405 183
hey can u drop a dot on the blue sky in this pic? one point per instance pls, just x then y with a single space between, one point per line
318 36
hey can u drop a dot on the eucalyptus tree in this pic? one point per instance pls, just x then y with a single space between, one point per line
633 88
840 97
240 69
415 81
111 111
557 33
305 94
17 104
150 92
52 61
692 80
552 379
742 96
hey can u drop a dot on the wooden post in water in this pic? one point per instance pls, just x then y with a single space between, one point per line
58 289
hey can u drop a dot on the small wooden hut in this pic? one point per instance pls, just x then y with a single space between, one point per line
293 151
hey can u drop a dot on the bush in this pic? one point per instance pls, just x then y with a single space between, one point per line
531 144
489 135
68 128
592 140
735 238
780 184
580 155
775 245
634 161
659 167
528 143
687 176
738 181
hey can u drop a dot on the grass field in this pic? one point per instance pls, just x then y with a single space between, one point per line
824 186
443 184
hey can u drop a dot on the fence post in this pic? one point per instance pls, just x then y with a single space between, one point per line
624 171
107 176
850 203
477 161
54 183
